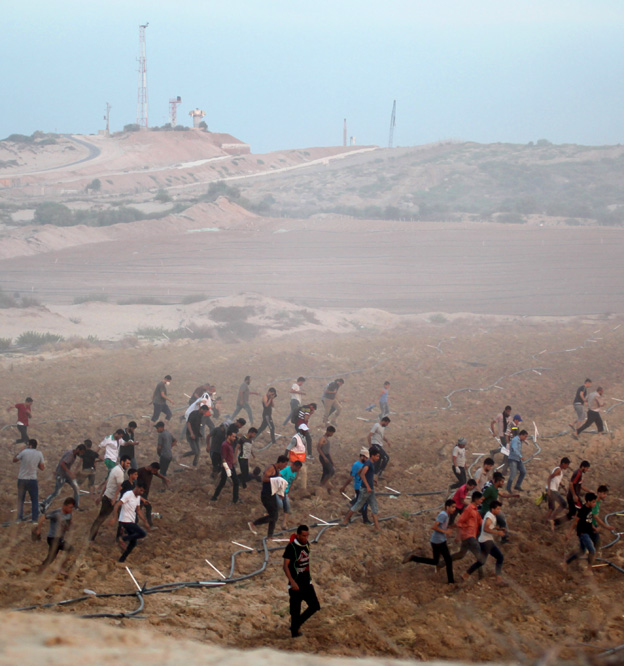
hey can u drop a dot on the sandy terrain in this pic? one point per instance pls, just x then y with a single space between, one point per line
394 266
372 604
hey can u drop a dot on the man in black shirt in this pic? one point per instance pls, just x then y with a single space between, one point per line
89 459
580 404
300 588
127 448
214 442
586 532
193 433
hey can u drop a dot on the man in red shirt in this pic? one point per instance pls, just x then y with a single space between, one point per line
24 412
228 470
469 526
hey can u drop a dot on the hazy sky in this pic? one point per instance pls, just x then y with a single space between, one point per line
284 74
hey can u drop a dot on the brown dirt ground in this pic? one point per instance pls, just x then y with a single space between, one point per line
372 604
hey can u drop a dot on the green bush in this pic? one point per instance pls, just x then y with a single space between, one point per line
5 344
194 298
95 185
34 339
218 189
6 301
163 196
90 298
50 212
140 300
132 127
438 318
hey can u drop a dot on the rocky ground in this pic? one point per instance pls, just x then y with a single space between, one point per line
372 604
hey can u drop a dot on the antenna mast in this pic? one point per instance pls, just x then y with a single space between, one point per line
107 118
344 133
392 124
142 95
173 110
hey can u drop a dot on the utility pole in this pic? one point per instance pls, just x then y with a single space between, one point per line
392 124
173 110
142 93
107 118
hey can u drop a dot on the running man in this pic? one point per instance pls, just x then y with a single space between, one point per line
242 399
24 413
297 569
377 437
160 400
595 402
580 404
439 546
60 521
30 461
89 461
290 474
459 462
164 447
267 413
516 461
384 407
489 529
330 401
586 532
128 508
575 488
296 450
110 495
245 448
268 495
111 445
65 475
194 432
556 502
498 426
295 400
327 463
483 476
228 465
469 526
126 448
357 482
367 491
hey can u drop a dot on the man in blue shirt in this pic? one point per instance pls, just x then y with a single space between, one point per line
516 461
438 542
357 482
367 491
290 474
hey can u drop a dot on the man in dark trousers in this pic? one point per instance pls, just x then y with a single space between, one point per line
193 432
228 462
300 588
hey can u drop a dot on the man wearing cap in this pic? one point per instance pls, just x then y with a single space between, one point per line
459 462
516 461
160 400
296 450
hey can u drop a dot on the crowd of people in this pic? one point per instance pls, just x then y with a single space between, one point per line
473 513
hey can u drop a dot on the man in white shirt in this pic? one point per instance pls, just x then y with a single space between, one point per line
295 399
128 508
377 437
459 462
110 494
111 446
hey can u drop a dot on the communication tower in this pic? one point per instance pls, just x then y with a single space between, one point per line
107 118
142 95
392 124
173 110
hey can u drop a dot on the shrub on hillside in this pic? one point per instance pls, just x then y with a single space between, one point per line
50 212
35 339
